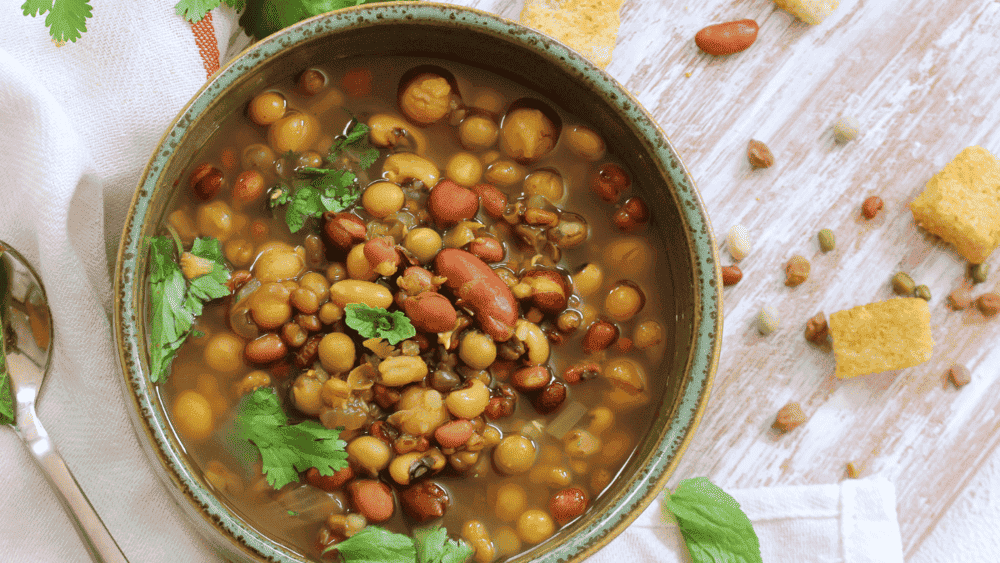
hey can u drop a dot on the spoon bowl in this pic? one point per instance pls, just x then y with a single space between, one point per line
27 338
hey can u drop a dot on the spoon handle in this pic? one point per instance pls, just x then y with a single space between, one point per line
93 532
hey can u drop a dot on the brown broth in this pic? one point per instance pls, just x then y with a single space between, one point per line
296 514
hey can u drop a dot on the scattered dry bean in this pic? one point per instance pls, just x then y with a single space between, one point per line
727 38
853 470
923 292
739 242
846 129
988 304
796 271
827 241
768 320
759 155
959 375
789 417
978 272
872 206
731 275
960 299
903 284
817 329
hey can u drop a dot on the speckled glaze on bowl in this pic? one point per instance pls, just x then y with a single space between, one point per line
509 49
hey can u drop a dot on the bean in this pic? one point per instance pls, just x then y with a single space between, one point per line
266 108
424 501
336 352
609 182
358 266
846 129
424 243
478 132
531 378
871 206
624 301
731 275
372 294
329 483
293 335
567 504
382 199
632 215
545 183
305 394
278 263
192 416
409 169
453 434
504 173
600 335
464 169
585 143
397 371
224 352
511 501
373 499
627 374
727 38
477 350
551 398
293 132
431 312
215 219
473 281
266 348
738 240
534 526
369 452
269 312
469 402
449 203
249 186
514 455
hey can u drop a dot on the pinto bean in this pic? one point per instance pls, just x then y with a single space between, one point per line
474 282
493 200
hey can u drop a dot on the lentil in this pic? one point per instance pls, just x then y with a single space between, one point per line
816 328
789 417
731 275
871 206
988 304
978 272
827 241
960 299
846 129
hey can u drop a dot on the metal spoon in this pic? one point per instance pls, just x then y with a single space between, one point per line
26 328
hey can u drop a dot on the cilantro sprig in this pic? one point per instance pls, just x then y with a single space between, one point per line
376 322
287 449
712 523
377 545
176 301
67 19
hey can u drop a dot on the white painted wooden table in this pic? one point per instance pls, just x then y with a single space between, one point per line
923 78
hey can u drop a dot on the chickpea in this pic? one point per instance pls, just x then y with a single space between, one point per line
505 173
424 243
358 266
507 542
382 199
545 183
305 394
370 452
514 454
330 313
601 418
489 100
336 352
426 98
310 159
600 479
258 156
511 501
478 537
269 312
316 283
305 301
553 476
535 526
477 350
336 272
629 257
184 225
311 81
224 352
469 402
239 252
293 132
624 301
464 460
192 415
278 263
491 436
588 280
252 381
478 132
266 108
626 374
585 143
527 134
208 386
215 219
464 169
648 334
615 447
293 334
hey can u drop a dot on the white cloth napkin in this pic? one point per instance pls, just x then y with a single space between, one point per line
77 124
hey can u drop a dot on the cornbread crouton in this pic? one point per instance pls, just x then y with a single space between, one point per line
589 26
877 337
810 11
961 204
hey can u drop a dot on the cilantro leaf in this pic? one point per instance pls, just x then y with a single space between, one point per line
287 450
713 526
376 545
376 322
194 10
67 19
434 546
304 204
327 190
356 141
264 17
174 302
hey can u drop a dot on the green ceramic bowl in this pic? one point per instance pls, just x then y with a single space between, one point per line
692 289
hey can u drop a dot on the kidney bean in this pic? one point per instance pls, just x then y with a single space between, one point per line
531 378
488 249
727 38
549 290
424 501
206 181
450 203
731 275
475 283
344 229
453 434
567 504
329 483
265 349
381 253
631 215
430 312
493 200
551 398
609 182
373 499
601 334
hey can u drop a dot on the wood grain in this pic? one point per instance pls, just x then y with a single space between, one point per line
922 78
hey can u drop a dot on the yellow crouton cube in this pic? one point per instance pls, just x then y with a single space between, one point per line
810 11
589 26
961 204
881 336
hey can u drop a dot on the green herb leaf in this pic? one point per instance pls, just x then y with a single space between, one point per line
287 450
67 19
194 10
305 204
376 322
6 394
434 546
713 526
174 302
356 142
376 545
327 190
264 17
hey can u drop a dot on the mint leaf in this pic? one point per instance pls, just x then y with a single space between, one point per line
194 10
376 322
287 450
434 546
376 545
713 526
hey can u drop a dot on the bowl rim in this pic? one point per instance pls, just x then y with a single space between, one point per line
187 488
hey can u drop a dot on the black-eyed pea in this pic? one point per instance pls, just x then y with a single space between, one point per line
535 341
580 443
382 199
407 467
624 301
464 169
251 381
648 334
535 526
336 352
224 352
507 542
370 453
330 313
468 402
305 394
215 219
588 280
585 143
478 537
511 501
